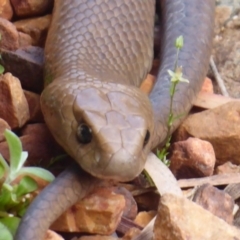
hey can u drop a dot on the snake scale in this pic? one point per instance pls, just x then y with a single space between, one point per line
97 53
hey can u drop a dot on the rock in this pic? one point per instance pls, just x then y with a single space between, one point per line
233 189
17 112
143 218
207 85
192 158
38 142
24 40
98 213
237 219
219 126
9 35
216 201
3 126
180 219
222 15
226 51
37 28
52 236
227 167
27 65
148 200
26 8
98 237
6 9
33 100
133 232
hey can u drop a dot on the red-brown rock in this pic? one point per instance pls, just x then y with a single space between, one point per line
216 201
3 126
16 114
219 126
6 9
26 8
180 219
98 213
37 28
9 35
27 65
192 158
33 100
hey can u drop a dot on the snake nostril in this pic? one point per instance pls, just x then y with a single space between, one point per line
146 139
84 134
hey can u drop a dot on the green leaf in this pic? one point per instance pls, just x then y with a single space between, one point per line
38 172
26 185
15 150
22 160
5 233
1 69
11 223
4 164
23 207
8 198
5 198
2 172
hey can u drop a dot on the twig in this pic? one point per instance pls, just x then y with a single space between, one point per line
216 180
165 183
218 78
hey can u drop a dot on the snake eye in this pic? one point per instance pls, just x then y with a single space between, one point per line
146 139
84 134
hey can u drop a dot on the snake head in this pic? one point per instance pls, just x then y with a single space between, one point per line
105 127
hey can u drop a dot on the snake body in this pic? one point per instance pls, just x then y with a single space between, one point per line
97 53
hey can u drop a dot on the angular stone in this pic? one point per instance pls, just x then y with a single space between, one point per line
33 100
98 237
3 126
219 126
98 213
52 236
38 142
216 201
148 200
133 232
16 114
9 35
207 85
223 14
27 65
37 28
227 167
24 40
143 218
180 219
26 8
6 9
192 158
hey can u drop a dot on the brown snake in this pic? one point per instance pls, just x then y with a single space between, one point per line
97 53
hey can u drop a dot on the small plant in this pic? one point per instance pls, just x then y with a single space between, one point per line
1 66
16 185
176 77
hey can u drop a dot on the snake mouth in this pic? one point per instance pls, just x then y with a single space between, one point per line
120 166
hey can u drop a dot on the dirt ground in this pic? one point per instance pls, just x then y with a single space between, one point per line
226 51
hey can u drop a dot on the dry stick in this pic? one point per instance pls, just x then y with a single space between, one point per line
165 183
218 78
216 180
